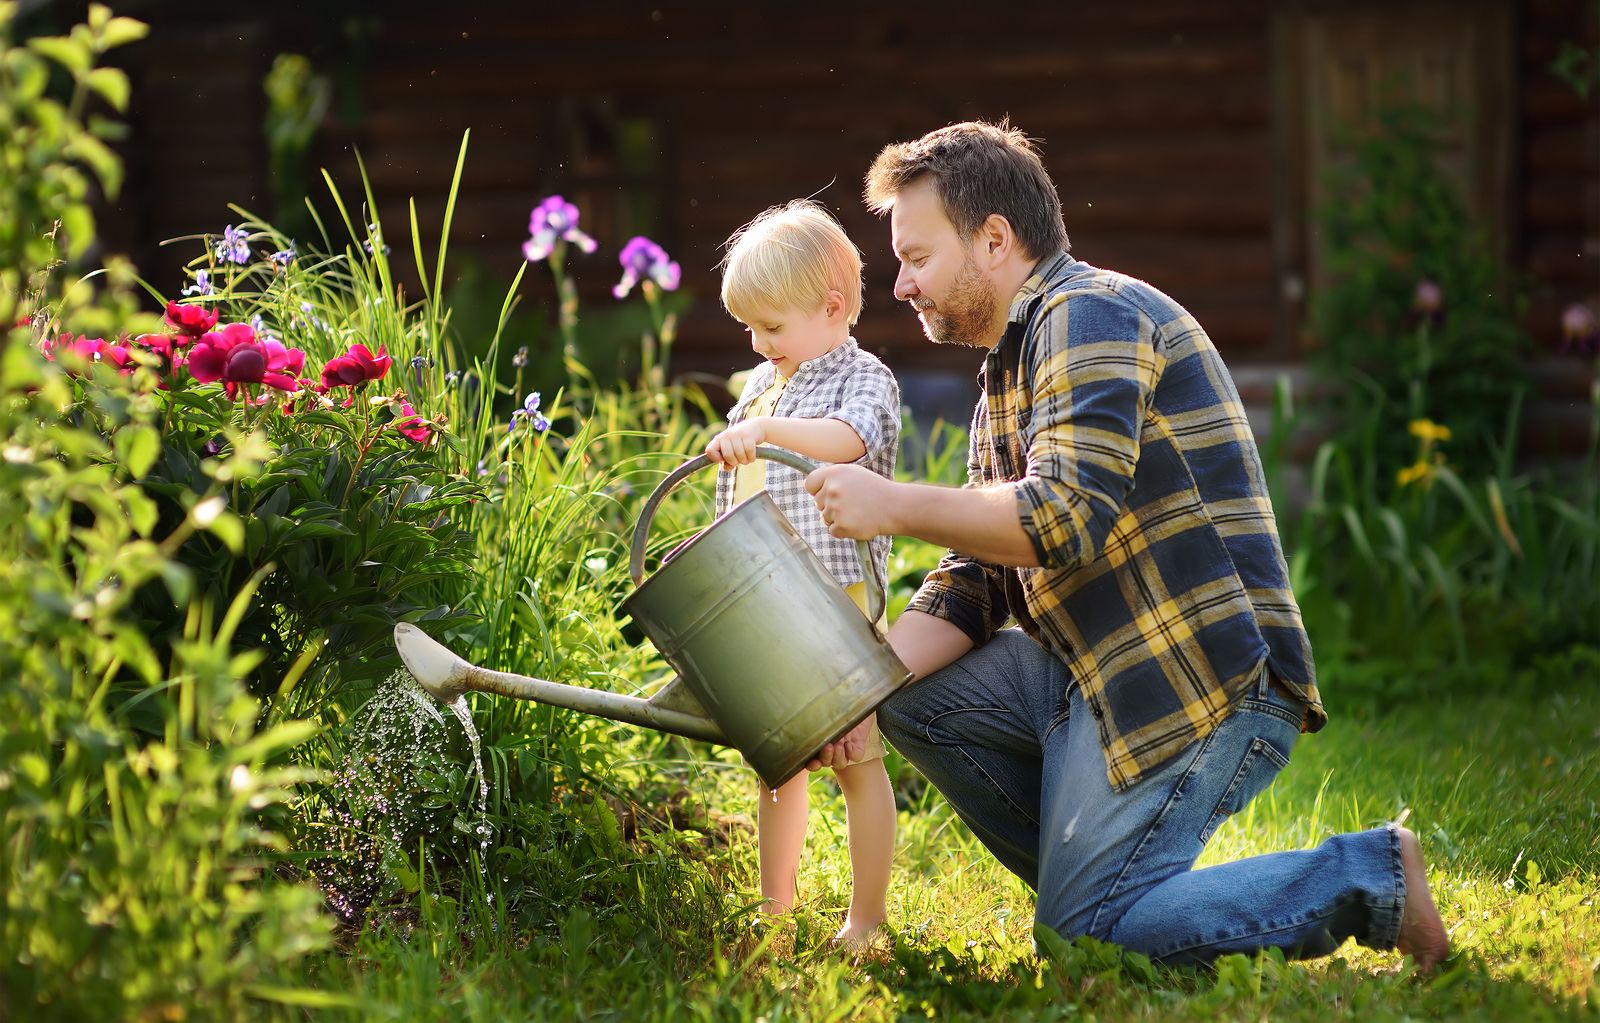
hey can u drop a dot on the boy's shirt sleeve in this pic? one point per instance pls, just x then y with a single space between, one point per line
870 405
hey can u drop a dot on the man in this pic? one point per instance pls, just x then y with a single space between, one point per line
1116 508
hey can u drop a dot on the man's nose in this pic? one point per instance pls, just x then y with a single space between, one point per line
904 287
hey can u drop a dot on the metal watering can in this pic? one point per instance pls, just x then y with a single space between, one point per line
773 657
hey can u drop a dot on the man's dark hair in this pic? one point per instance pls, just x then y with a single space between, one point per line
977 169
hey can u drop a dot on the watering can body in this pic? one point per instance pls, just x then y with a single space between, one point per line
773 657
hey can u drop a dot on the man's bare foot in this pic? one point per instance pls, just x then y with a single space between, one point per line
1422 935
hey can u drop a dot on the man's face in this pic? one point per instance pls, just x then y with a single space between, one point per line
954 298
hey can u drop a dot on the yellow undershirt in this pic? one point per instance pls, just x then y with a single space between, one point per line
750 480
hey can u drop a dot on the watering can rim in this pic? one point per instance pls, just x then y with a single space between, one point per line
877 598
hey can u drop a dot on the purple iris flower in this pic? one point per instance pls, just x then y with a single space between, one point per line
283 257
201 285
1427 303
530 412
1580 332
235 245
642 259
551 221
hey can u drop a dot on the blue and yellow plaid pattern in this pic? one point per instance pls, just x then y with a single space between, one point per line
1163 584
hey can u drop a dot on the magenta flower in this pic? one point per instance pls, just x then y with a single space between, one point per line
80 352
412 426
551 221
642 259
1579 331
239 359
191 321
356 366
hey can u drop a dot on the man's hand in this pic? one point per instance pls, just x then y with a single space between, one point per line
736 445
855 502
849 747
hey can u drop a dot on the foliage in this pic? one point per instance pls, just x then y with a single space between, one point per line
53 154
136 860
1418 320
297 101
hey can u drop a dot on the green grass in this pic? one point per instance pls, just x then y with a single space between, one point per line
652 919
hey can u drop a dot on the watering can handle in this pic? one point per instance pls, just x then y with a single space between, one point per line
800 463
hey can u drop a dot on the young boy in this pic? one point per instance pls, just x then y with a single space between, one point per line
793 278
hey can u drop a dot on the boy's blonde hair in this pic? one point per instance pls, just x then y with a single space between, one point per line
790 257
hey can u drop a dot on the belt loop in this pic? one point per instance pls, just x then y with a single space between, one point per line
1264 682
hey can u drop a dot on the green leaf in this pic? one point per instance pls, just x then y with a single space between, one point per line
78 222
121 31
227 528
137 448
69 53
142 511
105 163
310 998
112 84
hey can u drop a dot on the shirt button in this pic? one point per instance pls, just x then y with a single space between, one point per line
1097 712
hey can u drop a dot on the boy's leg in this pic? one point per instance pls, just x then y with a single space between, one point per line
780 835
870 818
975 729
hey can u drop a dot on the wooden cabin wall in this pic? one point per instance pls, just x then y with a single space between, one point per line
1164 128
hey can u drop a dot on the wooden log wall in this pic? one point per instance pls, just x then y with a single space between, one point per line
1162 126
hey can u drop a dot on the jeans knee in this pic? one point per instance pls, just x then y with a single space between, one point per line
895 720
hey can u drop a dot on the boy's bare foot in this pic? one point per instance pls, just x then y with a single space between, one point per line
857 939
1422 934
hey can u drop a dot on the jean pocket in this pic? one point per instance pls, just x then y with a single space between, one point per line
1261 763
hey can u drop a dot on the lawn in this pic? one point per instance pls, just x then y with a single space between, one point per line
658 925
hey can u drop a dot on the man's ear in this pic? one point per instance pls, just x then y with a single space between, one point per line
995 242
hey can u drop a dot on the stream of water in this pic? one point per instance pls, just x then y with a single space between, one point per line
389 796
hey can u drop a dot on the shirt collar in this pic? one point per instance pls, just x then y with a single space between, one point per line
830 360
1047 270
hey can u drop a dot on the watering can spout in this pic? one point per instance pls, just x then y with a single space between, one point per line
446 677
438 670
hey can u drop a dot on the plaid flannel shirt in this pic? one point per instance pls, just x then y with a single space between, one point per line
1163 585
854 387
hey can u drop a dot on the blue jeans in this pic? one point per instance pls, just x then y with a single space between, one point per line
1008 739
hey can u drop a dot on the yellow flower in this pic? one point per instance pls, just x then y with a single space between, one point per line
1422 471
1428 430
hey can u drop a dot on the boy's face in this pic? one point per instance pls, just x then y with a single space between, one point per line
789 337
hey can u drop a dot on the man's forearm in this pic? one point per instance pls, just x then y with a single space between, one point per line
978 521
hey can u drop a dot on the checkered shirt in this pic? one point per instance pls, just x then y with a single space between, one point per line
1163 585
854 387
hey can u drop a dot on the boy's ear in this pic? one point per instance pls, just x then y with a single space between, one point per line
996 241
833 303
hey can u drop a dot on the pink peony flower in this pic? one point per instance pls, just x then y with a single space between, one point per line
413 426
191 321
356 366
79 352
235 356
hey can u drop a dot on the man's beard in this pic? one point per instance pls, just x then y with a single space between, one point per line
967 314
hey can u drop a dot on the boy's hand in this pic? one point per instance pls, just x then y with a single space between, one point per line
848 747
737 444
